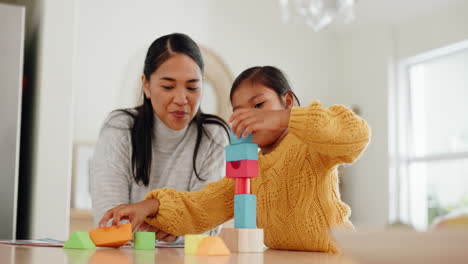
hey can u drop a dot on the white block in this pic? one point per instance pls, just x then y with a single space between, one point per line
243 240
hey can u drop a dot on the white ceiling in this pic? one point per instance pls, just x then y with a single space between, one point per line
396 11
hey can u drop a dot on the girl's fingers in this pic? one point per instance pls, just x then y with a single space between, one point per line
160 235
116 219
120 215
241 115
238 127
107 216
236 113
169 238
133 221
243 125
249 130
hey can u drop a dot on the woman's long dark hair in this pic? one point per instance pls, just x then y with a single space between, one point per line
142 134
268 76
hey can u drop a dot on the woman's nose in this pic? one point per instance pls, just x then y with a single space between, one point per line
180 98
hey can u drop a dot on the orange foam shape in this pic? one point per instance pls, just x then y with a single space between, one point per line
113 236
213 246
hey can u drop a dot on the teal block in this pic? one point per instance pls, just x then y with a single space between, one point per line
235 140
244 151
245 211
144 240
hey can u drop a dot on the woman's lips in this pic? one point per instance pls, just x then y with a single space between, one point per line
178 114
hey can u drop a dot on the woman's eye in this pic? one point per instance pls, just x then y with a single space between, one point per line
167 87
192 88
259 105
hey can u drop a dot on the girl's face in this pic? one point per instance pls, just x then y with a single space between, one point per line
250 95
175 89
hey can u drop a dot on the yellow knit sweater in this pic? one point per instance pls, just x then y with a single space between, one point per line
298 199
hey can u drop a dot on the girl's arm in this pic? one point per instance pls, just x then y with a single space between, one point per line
182 213
335 131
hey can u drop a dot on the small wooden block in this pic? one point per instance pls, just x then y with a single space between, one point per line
113 236
242 169
245 211
145 240
192 242
242 186
212 246
235 140
79 240
243 240
244 151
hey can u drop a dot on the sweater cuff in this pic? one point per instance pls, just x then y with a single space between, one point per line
297 119
301 118
167 217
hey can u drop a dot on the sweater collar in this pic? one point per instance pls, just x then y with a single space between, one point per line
167 139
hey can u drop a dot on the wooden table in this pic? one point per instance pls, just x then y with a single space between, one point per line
28 255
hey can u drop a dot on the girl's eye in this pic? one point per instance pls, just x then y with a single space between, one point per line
259 105
167 87
192 88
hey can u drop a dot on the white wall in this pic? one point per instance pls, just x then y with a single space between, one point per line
112 37
369 55
364 66
110 51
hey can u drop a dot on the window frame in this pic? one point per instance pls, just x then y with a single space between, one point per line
400 126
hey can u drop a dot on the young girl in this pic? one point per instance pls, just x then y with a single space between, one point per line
298 200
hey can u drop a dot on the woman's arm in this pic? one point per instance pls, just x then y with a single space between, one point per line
109 168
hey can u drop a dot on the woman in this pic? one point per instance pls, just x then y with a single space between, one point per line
165 142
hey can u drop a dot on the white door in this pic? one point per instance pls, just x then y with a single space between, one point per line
11 72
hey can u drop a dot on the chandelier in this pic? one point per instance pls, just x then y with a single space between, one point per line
317 14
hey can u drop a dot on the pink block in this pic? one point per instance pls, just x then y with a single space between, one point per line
242 186
242 169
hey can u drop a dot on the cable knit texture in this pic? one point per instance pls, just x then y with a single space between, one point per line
298 199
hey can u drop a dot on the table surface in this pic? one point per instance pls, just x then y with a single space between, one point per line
26 255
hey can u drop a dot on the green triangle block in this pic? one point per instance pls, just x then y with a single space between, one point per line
144 240
80 240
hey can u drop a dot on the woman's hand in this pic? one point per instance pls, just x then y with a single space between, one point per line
135 213
246 121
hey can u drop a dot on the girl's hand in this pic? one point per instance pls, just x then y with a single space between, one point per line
135 213
246 121
160 235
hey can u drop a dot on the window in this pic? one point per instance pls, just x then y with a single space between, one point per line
432 136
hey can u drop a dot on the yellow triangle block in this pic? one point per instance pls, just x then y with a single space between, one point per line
213 246
192 242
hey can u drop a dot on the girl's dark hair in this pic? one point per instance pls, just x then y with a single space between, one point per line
269 76
141 131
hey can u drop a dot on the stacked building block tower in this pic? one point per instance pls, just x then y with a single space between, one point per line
242 166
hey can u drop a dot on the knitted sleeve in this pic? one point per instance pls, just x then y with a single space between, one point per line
182 213
336 132
110 168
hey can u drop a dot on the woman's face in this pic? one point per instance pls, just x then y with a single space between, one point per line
175 89
250 95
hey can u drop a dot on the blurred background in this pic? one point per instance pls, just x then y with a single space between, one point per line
402 65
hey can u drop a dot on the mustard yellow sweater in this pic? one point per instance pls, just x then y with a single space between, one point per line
298 199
